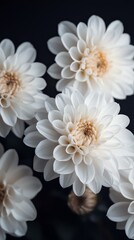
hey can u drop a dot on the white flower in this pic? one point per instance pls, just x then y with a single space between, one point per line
20 86
83 138
122 211
91 56
17 188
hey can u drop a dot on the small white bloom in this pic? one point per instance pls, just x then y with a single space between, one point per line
20 86
83 138
17 188
122 211
91 56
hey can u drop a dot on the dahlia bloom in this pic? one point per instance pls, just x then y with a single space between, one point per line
20 86
17 188
122 211
93 57
83 140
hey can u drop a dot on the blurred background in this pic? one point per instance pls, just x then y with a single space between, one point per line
37 22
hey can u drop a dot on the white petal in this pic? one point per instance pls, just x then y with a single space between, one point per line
63 167
67 180
118 212
69 40
18 129
8 47
131 208
24 211
27 56
54 115
81 45
59 126
46 129
60 153
77 99
29 186
82 31
121 120
63 59
50 104
97 26
69 114
74 66
39 83
37 69
61 101
129 228
21 229
49 173
63 83
127 190
95 185
54 71
55 45
65 27
77 157
84 172
74 53
2 234
39 164
9 160
9 116
16 173
111 109
126 136
116 26
45 149
67 73
4 129
116 196
78 187
32 139
23 47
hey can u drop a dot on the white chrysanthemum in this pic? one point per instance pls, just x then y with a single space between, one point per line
122 211
93 56
20 86
83 138
17 188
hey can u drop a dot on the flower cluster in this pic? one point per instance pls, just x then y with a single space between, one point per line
79 136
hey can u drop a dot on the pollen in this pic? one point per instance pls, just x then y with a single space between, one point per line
9 85
94 63
84 133
2 192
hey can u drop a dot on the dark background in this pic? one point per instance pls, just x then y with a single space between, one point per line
37 22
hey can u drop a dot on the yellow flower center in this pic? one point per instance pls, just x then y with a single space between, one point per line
84 133
2 192
94 62
9 85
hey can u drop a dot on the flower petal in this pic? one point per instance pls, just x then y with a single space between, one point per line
54 71
45 149
60 153
66 27
46 129
63 59
69 40
55 45
118 212
8 47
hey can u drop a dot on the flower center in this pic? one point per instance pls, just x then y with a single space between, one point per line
2 192
84 133
94 62
9 85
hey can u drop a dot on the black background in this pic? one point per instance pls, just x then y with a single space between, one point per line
37 22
